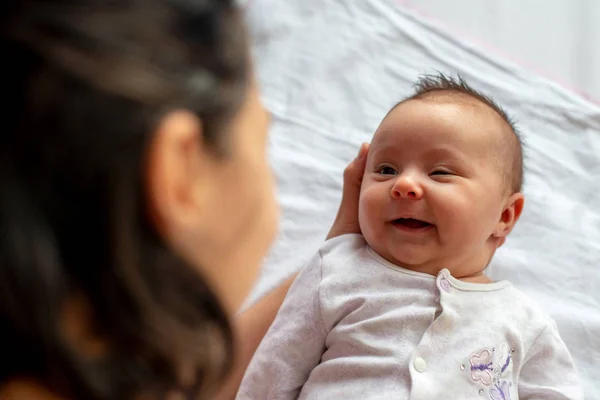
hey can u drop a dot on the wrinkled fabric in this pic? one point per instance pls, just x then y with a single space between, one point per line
329 71
355 326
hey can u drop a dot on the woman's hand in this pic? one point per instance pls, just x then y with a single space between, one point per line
346 220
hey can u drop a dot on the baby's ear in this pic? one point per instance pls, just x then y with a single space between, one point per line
510 215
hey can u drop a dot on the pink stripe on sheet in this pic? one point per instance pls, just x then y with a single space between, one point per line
462 34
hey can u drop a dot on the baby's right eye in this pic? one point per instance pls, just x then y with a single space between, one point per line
384 170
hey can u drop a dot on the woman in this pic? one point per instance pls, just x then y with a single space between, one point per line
137 203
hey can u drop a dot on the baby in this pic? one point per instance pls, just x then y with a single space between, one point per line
405 310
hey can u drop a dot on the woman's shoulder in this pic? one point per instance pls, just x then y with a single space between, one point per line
19 389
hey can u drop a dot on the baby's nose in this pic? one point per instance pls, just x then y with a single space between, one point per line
406 188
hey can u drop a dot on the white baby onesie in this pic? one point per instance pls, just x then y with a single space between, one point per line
355 326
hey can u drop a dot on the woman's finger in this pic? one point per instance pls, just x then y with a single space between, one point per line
346 220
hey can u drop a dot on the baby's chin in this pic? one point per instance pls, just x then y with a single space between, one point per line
415 257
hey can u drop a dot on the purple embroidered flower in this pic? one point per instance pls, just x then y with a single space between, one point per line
500 391
481 367
506 363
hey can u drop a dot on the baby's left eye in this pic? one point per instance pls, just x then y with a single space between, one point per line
387 171
440 172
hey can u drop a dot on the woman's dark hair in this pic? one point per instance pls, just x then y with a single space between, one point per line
86 82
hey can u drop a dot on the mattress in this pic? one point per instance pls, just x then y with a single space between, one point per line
329 71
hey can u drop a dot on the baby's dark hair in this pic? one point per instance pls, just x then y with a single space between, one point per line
510 152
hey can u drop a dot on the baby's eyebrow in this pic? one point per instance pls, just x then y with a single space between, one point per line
377 151
435 153
441 150
444 152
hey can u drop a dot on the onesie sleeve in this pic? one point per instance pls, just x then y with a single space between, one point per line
548 371
293 344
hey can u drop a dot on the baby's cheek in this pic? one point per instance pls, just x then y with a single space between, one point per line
368 214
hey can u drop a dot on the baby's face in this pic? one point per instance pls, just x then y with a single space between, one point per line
433 193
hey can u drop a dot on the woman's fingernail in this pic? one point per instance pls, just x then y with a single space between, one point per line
361 151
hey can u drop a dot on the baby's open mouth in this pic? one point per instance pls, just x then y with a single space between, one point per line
411 223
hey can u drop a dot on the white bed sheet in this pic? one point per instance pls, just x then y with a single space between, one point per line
557 39
330 70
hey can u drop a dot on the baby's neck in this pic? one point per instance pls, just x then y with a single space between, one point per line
466 272
479 278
